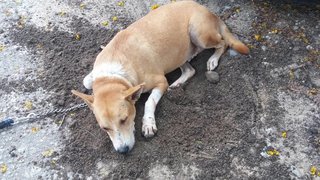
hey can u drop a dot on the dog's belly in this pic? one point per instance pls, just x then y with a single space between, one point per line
194 53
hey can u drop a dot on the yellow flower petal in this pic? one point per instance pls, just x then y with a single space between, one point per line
82 6
28 105
313 170
114 18
273 152
62 13
155 6
34 129
105 23
284 134
47 153
121 3
2 47
3 168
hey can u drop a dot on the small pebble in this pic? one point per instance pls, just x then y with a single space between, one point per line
296 48
264 48
212 76
309 47
232 52
61 102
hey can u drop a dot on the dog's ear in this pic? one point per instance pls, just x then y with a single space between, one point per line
88 99
134 92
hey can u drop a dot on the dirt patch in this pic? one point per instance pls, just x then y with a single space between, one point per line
209 125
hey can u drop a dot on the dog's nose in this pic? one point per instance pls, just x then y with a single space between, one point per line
123 149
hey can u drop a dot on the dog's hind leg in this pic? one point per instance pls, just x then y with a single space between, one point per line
187 71
213 61
205 33
149 127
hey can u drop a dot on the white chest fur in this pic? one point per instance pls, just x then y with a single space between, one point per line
112 70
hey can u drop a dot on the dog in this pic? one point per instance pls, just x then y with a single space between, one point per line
136 60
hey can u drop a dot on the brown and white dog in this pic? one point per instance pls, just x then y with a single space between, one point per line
136 61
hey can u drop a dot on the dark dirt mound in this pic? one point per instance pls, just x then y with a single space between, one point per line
202 123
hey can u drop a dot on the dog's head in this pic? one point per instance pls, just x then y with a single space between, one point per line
115 112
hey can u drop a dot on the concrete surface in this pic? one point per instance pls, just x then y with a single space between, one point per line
284 91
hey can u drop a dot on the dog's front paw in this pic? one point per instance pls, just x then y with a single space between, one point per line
149 127
174 86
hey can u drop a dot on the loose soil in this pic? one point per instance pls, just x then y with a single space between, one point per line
201 124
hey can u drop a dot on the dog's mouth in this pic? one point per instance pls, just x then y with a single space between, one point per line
123 142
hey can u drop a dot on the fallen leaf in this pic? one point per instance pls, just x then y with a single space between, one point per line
238 10
303 37
258 37
155 6
250 46
3 168
47 153
78 37
313 92
28 105
291 74
263 25
21 23
39 45
7 13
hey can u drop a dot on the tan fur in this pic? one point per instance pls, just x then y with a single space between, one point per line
149 48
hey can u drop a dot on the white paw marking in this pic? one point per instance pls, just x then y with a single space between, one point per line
149 127
175 85
212 64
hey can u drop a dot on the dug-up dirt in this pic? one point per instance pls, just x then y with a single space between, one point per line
260 121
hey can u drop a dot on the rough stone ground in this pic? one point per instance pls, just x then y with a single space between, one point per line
227 130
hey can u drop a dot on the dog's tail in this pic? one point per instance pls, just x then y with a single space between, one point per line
231 40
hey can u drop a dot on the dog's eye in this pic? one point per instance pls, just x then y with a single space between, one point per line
106 129
122 121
